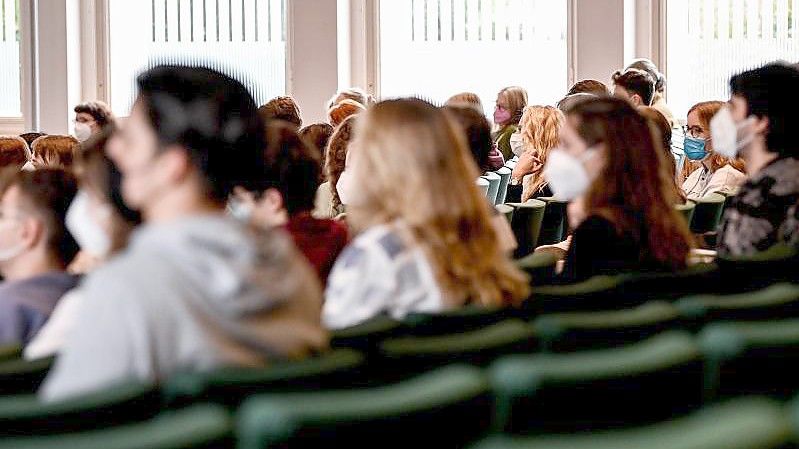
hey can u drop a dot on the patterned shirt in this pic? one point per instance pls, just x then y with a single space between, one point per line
764 212
379 272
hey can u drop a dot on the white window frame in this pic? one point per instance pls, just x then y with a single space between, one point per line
18 125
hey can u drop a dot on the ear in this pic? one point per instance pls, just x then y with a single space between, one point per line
175 164
31 233
636 100
760 125
272 199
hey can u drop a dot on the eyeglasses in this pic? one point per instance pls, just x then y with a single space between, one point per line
693 131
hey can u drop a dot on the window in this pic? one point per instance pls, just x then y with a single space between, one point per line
10 99
710 40
243 38
437 48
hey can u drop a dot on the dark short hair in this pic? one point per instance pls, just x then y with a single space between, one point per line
213 117
99 111
49 192
292 167
772 91
30 137
589 87
636 81
281 108
477 130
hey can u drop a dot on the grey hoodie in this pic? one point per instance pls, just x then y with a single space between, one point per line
190 295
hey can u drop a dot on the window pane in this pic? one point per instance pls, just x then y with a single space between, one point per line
710 40
437 48
244 38
9 59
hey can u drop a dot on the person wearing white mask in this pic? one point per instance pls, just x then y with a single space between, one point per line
759 125
101 224
35 248
615 173
90 118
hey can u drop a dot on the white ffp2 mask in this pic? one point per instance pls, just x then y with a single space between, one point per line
566 175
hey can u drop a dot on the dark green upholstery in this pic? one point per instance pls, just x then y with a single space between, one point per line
471 317
555 225
707 213
410 355
759 270
504 178
646 382
23 376
125 403
540 266
10 352
506 210
526 225
597 293
367 335
338 369
598 330
746 423
687 211
752 358
776 302
697 279
197 427
446 408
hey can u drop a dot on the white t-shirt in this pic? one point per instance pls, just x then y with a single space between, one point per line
702 181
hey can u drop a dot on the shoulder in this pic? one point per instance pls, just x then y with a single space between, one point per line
596 223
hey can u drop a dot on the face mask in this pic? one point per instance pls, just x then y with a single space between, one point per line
501 115
240 211
91 237
516 144
729 137
566 175
694 148
82 131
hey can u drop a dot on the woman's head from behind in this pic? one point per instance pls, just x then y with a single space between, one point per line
477 131
336 154
14 152
510 104
631 181
540 131
54 151
340 111
434 194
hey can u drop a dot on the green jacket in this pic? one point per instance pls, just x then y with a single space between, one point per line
502 139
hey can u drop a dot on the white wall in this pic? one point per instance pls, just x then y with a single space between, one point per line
599 34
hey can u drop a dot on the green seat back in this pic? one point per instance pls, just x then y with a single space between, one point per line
366 336
696 279
197 427
656 379
596 293
409 355
555 225
707 213
10 352
120 404
540 266
504 178
23 376
229 386
778 301
746 423
752 358
759 270
506 211
449 407
526 225
468 318
568 332
493 186
687 211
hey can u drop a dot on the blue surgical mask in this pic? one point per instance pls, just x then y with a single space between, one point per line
694 148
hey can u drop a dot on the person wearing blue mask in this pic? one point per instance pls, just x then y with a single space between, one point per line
707 171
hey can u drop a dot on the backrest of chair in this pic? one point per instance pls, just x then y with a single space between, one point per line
449 407
468 318
482 185
504 176
603 389
759 270
776 302
540 266
526 224
707 213
568 332
696 279
23 376
506 211
555 225
687 211
595 294
365 336
745 423
493 186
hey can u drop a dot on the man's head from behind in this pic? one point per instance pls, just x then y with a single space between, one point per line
33 208
634 85
192 135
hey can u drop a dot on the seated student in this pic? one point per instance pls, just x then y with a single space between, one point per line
426 241
90 118
328 203
343 109
507 114
35 248
635 86
660 126
194 289
281 108
760 126
540 130
13 152
570 100
589 86
352 93
286 199
319 135
30 137
477 130
658 99
707 171
54 151
101 224
465 98
612 163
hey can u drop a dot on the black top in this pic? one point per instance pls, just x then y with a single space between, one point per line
597 248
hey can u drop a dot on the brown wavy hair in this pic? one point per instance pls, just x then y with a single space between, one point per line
705 112
435 197
14 151
54 151
319 135
336 155
343 109
634 190
662 132
540 130
281 108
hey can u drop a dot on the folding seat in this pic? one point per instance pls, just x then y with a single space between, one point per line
504 178
555 226
779 301
707 213
526 224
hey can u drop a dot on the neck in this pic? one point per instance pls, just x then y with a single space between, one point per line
757 157
30 265
180 204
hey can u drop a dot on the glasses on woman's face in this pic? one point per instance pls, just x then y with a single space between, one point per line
693 131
